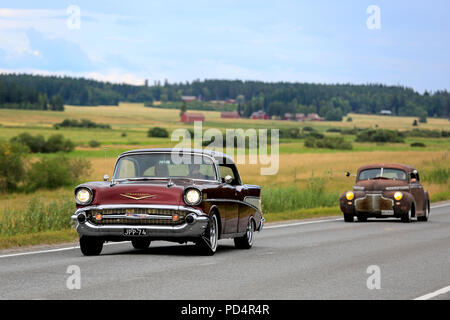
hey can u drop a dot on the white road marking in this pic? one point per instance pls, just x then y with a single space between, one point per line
52 250
266 227
434 294
300 223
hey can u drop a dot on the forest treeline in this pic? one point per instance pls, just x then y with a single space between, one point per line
331 101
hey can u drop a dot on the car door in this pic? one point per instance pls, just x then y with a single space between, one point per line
417 191
229 207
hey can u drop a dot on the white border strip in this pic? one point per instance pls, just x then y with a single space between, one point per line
434 294
300 223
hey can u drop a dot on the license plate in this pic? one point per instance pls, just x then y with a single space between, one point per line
387 212
135 232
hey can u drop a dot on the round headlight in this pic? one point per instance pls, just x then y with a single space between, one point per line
350 196
83 196
192 197
398 196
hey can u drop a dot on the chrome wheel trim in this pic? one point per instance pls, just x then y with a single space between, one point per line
250 231
427 212
213 235
409 214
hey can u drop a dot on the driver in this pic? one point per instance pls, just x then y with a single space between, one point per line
195 172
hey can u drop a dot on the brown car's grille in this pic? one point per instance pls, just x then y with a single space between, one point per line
373 203
137 216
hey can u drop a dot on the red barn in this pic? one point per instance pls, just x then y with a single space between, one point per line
230 115
189 117
260 115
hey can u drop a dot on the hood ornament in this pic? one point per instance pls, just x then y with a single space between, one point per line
138 196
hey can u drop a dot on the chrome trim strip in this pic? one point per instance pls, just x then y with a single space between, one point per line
397 188
142 206
235 201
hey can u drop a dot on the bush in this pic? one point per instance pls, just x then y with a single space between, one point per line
334 115
52 173
316 135
349 119
426 133
418 145
308 129
293 133
158 132
336 130
379 136
123 135
84 123
36 144
12 165
94 144
415 124
328 143
56 143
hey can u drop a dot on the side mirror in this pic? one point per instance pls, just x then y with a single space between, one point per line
105 177
228 179
348 174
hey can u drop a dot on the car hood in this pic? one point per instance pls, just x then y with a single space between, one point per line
381 184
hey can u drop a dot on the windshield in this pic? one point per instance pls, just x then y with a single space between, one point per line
165 165
383 173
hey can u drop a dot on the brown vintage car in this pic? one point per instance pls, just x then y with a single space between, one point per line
180 195
386 190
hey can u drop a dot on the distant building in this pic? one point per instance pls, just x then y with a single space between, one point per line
230 115
294 117
314 117
261 115
386 112
189 117
230 101
189 98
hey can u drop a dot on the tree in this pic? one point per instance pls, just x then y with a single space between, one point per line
183 108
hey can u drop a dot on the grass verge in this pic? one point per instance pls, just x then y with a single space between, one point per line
46 237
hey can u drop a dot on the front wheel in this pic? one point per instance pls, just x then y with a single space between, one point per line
208 243
349 218
246 242
140 244
91 246
406 218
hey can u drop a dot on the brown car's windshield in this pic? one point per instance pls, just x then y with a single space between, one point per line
165 165
382 173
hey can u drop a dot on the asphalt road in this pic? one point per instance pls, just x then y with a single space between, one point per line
305 260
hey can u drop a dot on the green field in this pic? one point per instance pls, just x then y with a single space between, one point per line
298 165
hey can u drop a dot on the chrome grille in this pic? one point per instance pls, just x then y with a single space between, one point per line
136 216
373 203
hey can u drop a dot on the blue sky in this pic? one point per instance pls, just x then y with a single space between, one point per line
306 41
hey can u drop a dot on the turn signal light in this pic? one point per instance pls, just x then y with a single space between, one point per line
175 218
98 216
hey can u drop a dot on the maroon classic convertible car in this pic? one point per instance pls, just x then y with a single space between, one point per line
180 195
386 190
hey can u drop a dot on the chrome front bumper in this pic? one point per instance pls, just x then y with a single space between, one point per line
186 230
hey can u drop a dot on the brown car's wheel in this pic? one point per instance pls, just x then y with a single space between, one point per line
349 218
208 243
246 242
425 217
362 218
141 244
406 218
91 246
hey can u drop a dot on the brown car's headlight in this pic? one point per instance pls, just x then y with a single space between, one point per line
83 196
398 196
349 196
192 196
